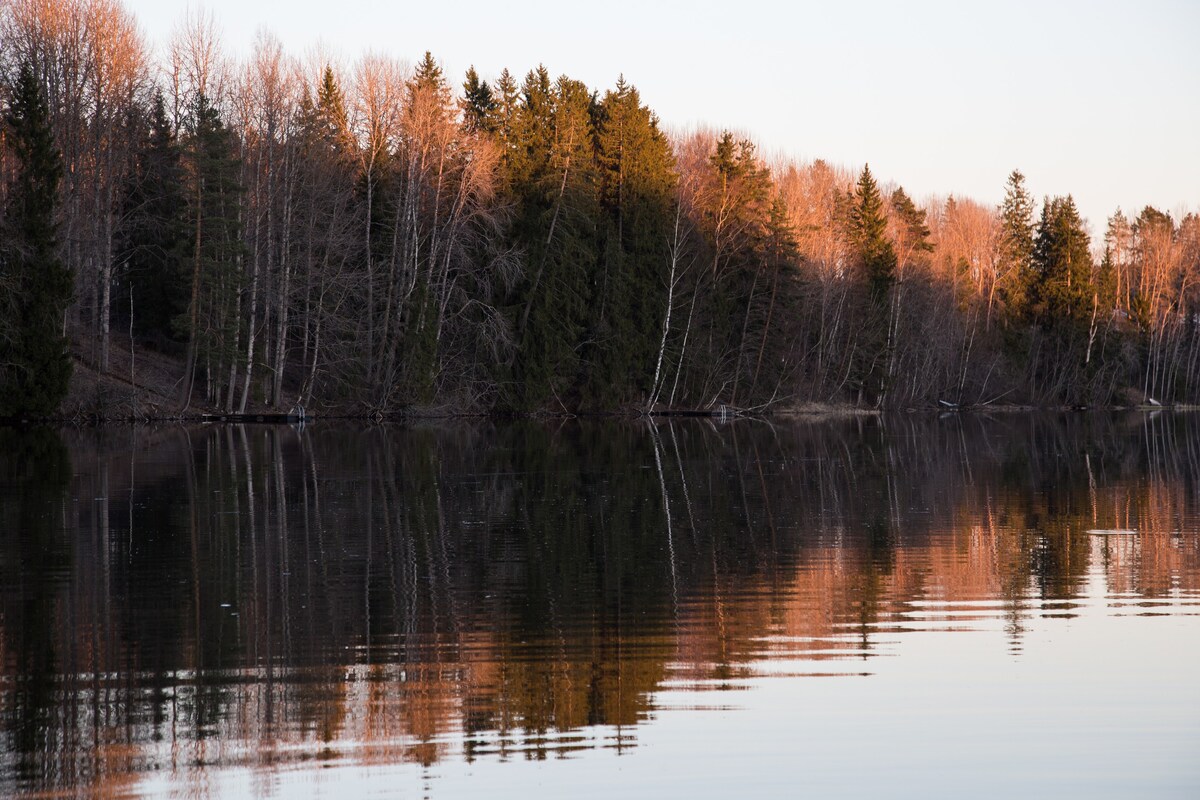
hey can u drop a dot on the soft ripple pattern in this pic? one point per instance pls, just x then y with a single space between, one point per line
895 605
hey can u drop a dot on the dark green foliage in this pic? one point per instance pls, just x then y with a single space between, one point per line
773 315
868 226
553 176
507 99
877 261
1066 305
479 106
1150 219
1105 285
534 245
1015 252
328 120
636 185
153 243
35 285
1063 264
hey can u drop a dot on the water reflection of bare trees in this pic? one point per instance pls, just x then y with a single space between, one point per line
252 596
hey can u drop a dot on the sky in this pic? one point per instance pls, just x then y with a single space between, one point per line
1097 99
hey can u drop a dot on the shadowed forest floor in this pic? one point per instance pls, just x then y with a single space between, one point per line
144 385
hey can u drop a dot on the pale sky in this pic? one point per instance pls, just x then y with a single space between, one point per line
1097 99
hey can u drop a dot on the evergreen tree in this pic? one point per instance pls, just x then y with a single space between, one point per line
553 175
327 226
35 286
914 231
877 260
507 98
533 133
636 184
153 243
1066 305
331 122
1063 263
779 257
479 106
1015 253
428 73
1118 251
868 221
1105 284
734 211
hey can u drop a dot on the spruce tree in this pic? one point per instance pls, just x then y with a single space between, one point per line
636 184
1065 304
35 285
153 243
479 106
507 99
553 178
734 213
428 73
1063 262
913 229
869 233
779 256
1015 256
877 260
331 121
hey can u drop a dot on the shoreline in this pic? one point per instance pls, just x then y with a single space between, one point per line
807 411
108 399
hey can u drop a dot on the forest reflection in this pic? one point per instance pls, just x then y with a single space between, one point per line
256 596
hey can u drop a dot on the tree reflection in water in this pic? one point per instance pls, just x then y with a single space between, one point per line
172 598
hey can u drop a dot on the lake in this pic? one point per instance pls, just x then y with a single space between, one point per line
903 606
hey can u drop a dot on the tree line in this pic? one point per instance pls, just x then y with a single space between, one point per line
377 238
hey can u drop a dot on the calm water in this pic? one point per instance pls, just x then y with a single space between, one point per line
911 606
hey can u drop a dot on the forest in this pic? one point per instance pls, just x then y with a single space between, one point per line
375 238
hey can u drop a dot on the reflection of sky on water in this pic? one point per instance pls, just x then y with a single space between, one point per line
833 609
1074 715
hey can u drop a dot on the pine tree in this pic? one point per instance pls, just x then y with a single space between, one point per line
35 285
327 225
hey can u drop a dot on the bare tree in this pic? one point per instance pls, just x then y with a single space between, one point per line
91 61
378 93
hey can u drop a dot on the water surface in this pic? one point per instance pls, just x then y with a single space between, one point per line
905 606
